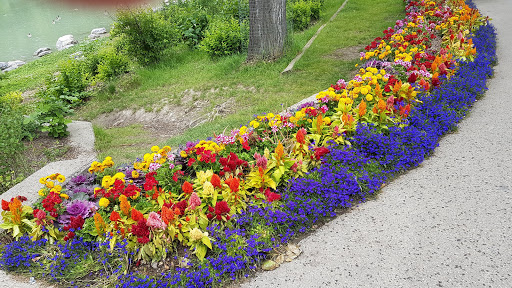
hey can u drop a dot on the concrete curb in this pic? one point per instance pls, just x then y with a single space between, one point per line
81 136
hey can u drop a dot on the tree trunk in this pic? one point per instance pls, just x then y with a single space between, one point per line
267 32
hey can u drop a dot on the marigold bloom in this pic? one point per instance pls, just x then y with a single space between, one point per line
61 178
104 202
135 174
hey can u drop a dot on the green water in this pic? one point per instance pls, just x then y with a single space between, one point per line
19 18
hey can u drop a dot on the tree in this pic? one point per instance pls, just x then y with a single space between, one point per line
267 31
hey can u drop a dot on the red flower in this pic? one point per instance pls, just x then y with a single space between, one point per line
233 183
181 206
150 181
245 145
187 188
320 151
271 196
221 208
191 161
69 236
300 136
143 240
5 205
141 229
137 215
412 78
216 181
114 216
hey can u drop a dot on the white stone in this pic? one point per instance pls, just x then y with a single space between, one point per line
42 51
65 42
98 31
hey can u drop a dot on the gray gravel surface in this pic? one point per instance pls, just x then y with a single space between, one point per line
447 223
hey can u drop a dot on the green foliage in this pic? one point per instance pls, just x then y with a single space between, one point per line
225 37
144 34
111 63
194 27
11 125
304 11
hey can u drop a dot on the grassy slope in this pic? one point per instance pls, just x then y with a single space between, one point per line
357 25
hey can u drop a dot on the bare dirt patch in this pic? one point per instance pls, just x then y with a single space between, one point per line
347 53
171 119
45 149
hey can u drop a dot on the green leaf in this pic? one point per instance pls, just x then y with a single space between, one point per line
15 230
200 252
206 241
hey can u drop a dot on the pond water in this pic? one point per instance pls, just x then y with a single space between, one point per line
45 21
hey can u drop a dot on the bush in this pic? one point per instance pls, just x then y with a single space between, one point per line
193 27
225 37
11 125
304 11
111 63
144 34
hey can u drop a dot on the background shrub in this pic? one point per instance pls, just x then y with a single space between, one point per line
111 63
144 34
225 37
12 132
303 12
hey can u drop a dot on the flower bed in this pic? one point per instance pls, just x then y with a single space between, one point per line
229 200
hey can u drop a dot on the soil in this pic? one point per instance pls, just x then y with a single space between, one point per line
45 149
167 120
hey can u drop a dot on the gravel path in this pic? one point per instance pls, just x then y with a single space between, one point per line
447 223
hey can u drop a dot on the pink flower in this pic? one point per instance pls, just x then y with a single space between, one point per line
261 161
194 201
154 221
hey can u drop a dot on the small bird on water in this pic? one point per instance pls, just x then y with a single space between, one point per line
29 35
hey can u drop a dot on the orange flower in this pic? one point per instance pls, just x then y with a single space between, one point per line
99 223
15 208
125 205
300 137
319 123
187 187
362 108
137 215
233 183
381 105
167 215
280 150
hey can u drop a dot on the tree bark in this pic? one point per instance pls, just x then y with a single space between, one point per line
267 30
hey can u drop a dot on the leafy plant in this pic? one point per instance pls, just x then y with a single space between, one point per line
225 37
144 34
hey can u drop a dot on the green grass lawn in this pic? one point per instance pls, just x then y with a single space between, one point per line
251 88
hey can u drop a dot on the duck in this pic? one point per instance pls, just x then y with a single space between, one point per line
29 35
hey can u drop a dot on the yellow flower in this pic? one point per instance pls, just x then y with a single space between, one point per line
53 176
41 193
208 188
196 234
61 178
57 188
254 123
364 90
104 202
49 184
42 180
327 120
369 97
155 149
183 154
119 175
65 196
243 130
107 181
135 174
